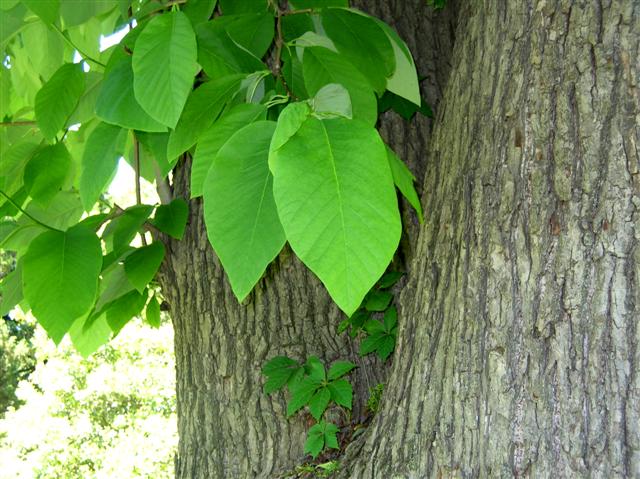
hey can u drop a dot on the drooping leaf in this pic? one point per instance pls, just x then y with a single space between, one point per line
217 135
47 10
152 312
338 208
103 149
60 277
403 178
252 31
123 309
390 319
319 402
142 265
239 210
164 64
120 231
332 100
390 278
172 218
202 108
89 333
46 172
116 101
322 67
354 33
57 99
404 80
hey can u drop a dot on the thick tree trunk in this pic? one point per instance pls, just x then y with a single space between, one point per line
519 344
228 427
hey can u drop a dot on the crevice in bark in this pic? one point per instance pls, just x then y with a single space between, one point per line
518 352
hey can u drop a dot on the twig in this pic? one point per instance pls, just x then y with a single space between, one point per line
24 212
277 64
136 163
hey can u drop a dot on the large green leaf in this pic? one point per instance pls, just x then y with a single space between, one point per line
230 7
404 80
404 179
47 10
199 11
337 204
321 67
116 101
164 64
104 147
11 290
46 172
251 31
202 108
89 333
123 309
363 43
172 218
142 265
57 99
216 136
75 12
60 277
240 214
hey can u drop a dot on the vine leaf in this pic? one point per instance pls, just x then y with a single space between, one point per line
403 178
320 436
164 64
60 277
280 371
239 210
57 99
338 207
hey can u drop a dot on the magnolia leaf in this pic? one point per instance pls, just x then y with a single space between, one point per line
88 333
11 290
332 100
322 66
230 7
338 207
116 101
46 172
239 210
103 149
164 64
123 309
57 99
253 32
47 10
142 265
202 108
120 231
403 178
172 218
217 135
152 312
60 277
354 33
199 11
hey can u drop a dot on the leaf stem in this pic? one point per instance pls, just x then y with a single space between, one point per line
73 45
24 212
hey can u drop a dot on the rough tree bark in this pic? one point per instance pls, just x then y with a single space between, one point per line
518 352
228 428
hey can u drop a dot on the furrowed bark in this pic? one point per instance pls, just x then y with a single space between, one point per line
518 348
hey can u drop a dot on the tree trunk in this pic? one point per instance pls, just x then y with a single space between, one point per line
518 348
228 427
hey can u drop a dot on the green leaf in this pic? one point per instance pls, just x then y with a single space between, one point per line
230 7
354 33
172 218
199 11
279 372
62 211
403 178
321 66
332 100
300 4
315 369
47 172
202 108
88 333
389 279
57 99
152 312
142 265
103 149
116 101
321 435
239 210
372 343
404 81
390 319
123 309
217 135
254 32
374 326
60 277
386 346
164 64
339 369
120 231
378 300
341 392
319 402
76 13
338 207
47 10
301 393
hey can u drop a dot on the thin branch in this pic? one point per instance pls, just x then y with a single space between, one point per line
73 45
18 123
24 212
136 162
277 63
